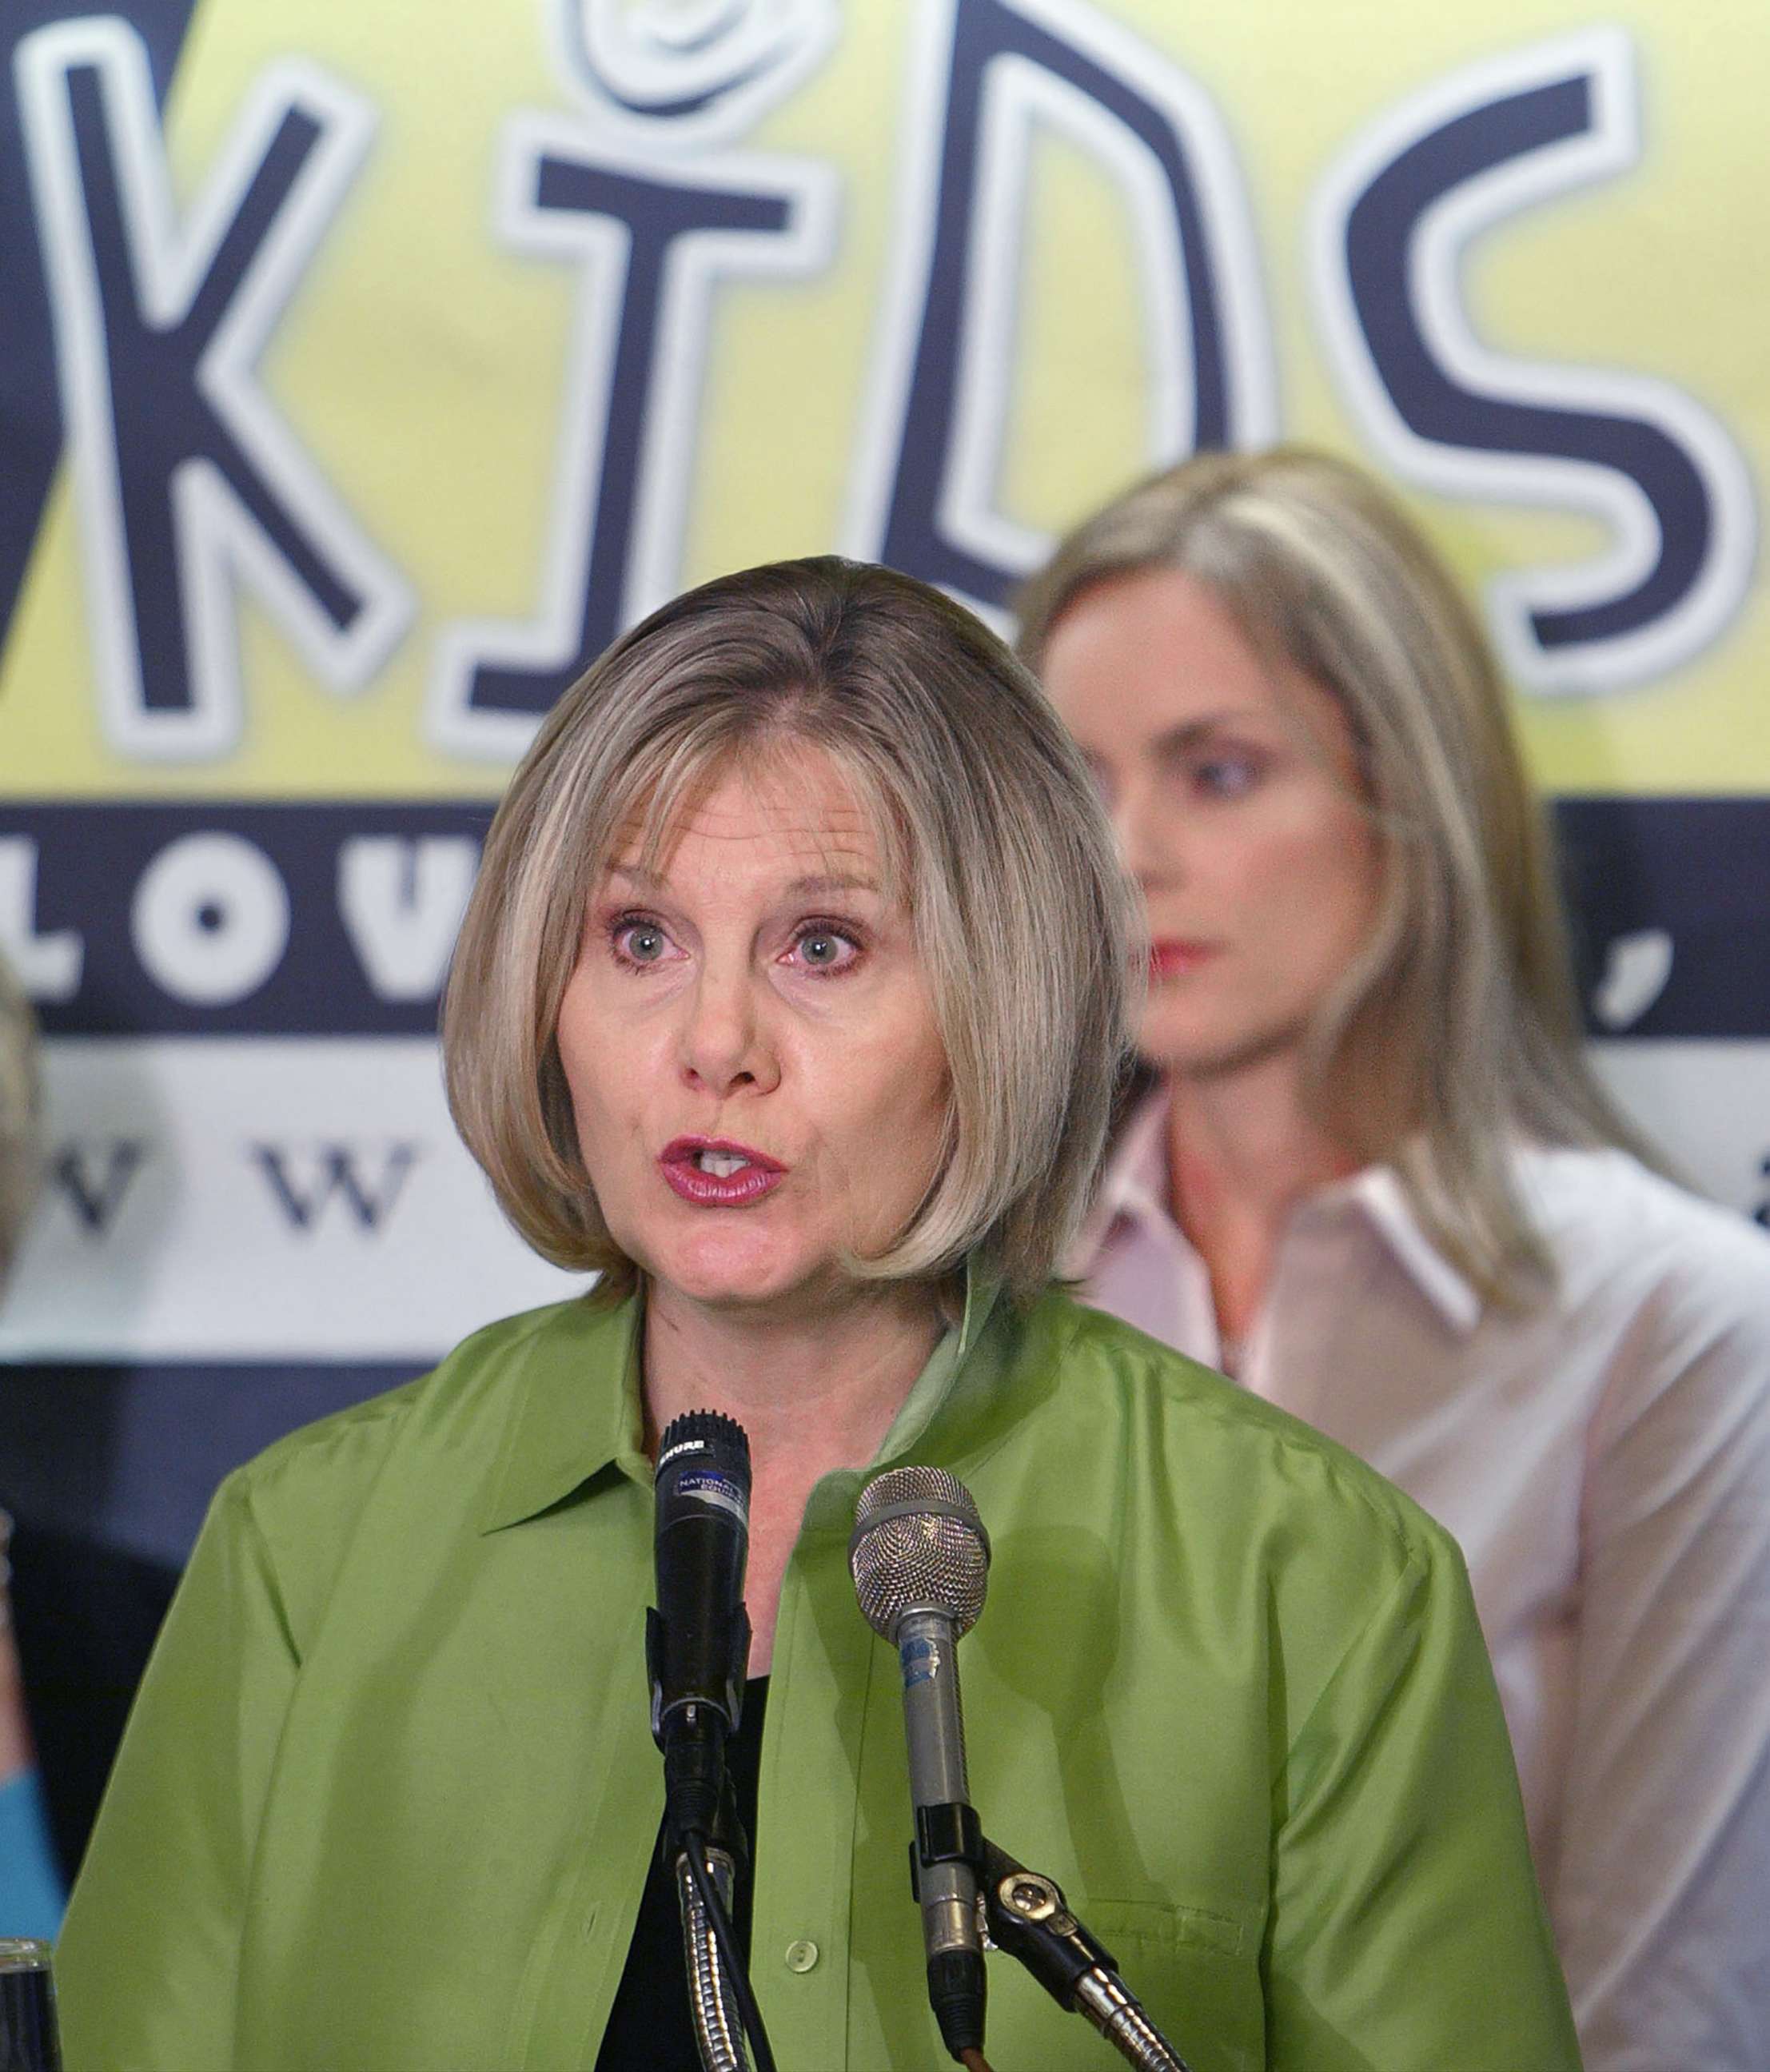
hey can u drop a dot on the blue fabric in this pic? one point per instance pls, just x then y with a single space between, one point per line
32 1897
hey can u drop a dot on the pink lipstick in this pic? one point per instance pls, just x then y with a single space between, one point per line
714 1173
1172 960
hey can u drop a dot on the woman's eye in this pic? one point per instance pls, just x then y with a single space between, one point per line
825 949
1225 776
641 942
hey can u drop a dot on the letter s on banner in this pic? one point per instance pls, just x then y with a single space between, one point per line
1388 228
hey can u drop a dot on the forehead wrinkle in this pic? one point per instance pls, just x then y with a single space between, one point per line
636 874
740 854
836 824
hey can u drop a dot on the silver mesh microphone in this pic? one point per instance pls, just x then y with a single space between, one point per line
920 1561
919 1545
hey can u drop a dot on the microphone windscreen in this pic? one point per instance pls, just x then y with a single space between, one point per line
919 1545
706 1455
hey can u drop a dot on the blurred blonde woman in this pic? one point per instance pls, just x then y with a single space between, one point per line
1367 1170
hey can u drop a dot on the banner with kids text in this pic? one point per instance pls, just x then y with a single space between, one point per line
365 368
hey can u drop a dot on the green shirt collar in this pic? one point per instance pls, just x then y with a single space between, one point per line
567 1425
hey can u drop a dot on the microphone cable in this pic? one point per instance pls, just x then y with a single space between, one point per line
737 1974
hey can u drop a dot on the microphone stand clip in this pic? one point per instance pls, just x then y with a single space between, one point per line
1028 1916
950 1833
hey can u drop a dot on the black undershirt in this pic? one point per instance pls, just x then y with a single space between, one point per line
649 2027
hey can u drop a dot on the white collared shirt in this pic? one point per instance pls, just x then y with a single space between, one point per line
1604 1461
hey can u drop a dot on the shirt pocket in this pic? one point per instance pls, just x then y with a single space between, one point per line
1195 1970
1163 1929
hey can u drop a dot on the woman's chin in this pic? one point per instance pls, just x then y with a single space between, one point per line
1180 1044
733 1270
1174 1041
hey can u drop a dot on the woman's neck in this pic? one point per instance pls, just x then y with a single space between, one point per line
815 1392
825 1380
1243 1150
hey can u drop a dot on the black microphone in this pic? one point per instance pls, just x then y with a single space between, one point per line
30 2041
697 1638
920 1561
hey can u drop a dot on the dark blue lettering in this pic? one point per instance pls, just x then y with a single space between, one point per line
984 31
339 1176
1380 232
656 214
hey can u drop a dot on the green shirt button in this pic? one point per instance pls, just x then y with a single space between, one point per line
801 1955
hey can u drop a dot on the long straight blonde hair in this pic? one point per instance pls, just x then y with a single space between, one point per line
1456 1031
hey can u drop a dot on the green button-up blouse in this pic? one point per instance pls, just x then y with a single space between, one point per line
389 1794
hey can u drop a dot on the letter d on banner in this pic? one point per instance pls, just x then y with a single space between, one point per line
982 72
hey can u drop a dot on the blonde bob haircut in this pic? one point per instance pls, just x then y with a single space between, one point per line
1455 1032
992 833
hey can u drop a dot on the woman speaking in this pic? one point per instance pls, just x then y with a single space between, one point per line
791 1002
1369 1172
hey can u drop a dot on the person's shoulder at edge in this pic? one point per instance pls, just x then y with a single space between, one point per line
1605 1213
1211 1424
1242 1505
1681 1283
321 1475
468 1377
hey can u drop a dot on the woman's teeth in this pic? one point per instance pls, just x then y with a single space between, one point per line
721 1165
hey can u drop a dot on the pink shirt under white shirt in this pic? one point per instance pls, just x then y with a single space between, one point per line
1604 1461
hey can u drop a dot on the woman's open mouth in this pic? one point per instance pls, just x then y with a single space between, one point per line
714 1174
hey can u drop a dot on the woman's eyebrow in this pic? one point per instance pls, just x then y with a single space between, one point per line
1177 740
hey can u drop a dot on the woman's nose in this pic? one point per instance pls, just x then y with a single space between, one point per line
1144 846
724 1043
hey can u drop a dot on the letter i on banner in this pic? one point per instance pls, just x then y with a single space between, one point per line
652 222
